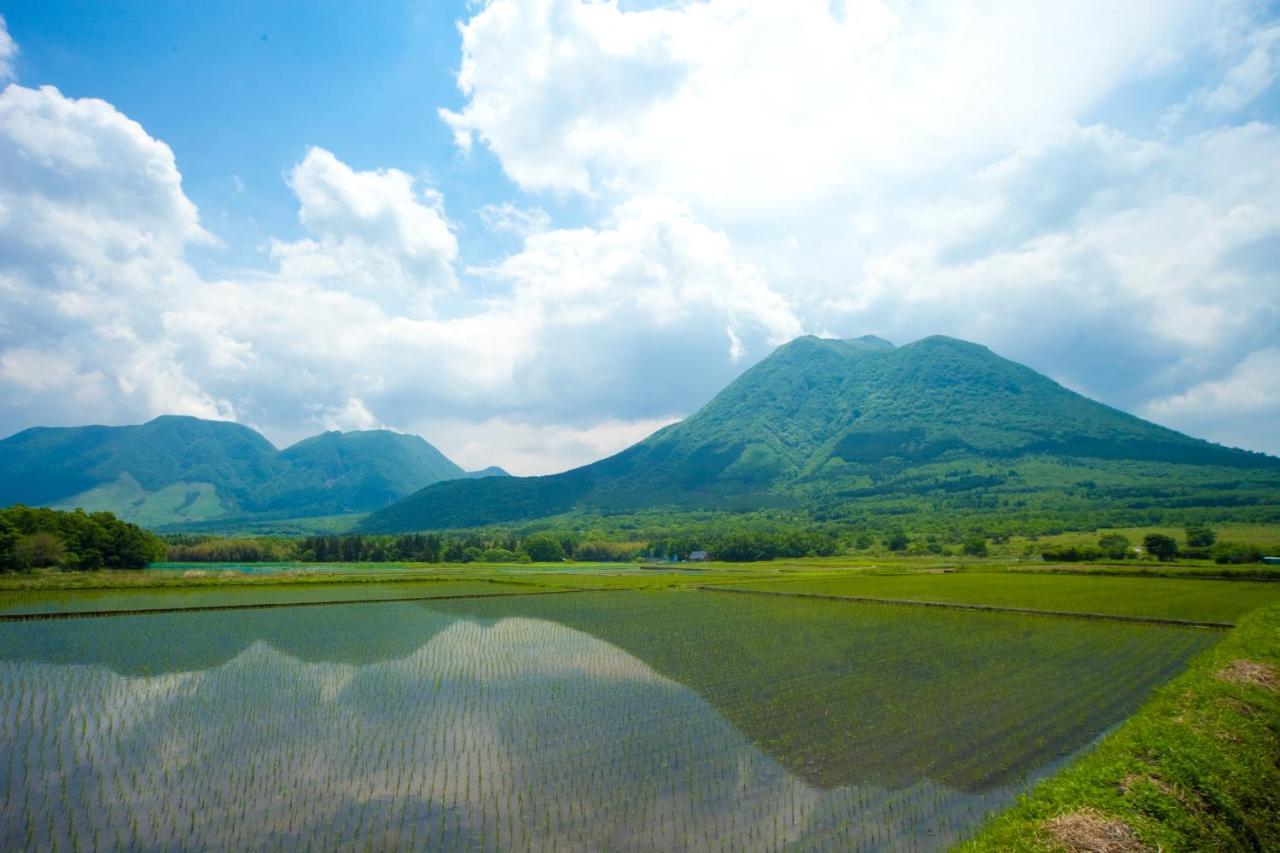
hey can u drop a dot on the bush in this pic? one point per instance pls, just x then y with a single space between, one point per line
1069 553
499 555
1114 546
1235 553
975 546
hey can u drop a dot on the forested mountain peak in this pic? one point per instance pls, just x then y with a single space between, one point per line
820 421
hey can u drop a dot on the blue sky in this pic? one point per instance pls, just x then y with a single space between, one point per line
533 231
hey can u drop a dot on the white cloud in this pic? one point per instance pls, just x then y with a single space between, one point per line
351 415
8 52
93 223
747 107
373 231
508 218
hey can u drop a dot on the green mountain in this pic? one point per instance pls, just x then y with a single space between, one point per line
181 469
833 427
338 472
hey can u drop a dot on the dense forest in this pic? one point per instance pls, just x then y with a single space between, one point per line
36 538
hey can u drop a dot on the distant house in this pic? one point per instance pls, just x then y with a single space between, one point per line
698 557
1271 561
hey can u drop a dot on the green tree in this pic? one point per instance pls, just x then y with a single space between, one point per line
896 540
1200 536
1163 548
544 548
975 546
39 550
1114 546
8 539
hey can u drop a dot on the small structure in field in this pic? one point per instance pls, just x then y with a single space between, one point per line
698 557
1271 561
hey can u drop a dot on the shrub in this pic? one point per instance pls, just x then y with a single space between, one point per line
1236 552
1069 553
1114 546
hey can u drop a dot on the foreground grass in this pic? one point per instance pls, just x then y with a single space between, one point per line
1156 597
1195 769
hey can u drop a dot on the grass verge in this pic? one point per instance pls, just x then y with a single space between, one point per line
1196 768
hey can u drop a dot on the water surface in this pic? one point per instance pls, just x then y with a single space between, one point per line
585 721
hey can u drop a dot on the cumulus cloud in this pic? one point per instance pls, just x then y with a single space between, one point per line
745 106
374 231
93 223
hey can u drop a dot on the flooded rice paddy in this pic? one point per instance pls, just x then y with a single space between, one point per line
592 721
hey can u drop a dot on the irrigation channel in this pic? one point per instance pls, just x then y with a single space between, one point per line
547 719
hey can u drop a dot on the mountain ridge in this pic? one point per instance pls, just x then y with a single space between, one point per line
178 468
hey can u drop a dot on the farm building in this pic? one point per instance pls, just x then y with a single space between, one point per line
698 557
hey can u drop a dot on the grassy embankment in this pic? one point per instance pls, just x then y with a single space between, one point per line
1196 768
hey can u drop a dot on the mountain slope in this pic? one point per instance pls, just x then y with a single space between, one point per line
822 423
339 472
45 465
182 469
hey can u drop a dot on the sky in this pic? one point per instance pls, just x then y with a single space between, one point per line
534 231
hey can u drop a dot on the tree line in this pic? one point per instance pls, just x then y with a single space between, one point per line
504 547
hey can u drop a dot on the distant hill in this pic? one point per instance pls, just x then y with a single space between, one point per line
177 469
827 426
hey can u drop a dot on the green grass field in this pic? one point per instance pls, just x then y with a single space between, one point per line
1162 598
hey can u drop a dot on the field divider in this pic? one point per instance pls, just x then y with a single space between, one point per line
267 605
985 608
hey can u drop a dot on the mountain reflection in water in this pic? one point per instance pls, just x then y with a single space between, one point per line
595 721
